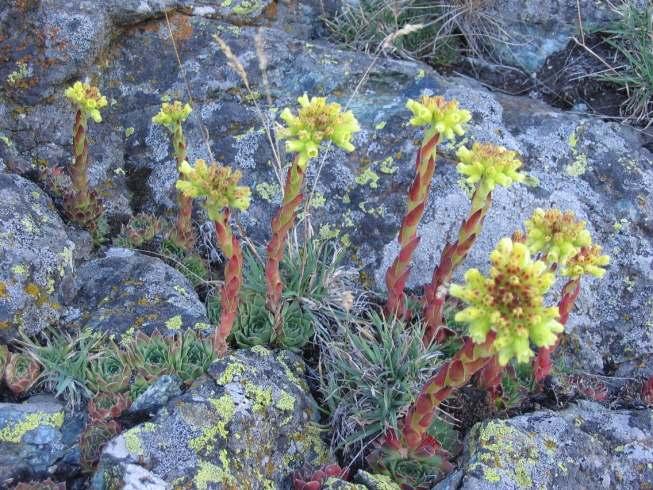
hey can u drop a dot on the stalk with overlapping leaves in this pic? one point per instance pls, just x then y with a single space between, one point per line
443 120
219 186
82 203
505 315
171 116
564 244
484 166
316 121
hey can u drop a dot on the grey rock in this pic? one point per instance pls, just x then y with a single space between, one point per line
127 292
31 439
584 446
156 395
375 482
36 256
338 484
250 425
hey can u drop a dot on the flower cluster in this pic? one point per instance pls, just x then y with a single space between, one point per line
557 235
510 302
217 183
489 165
88 99
443 116
315 122
588 261
173 114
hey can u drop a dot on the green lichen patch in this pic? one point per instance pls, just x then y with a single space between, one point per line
225 408
234 369
16 430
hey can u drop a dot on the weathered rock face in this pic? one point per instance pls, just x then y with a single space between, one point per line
585 446
599 170
36 257
36 439
126 292
249 425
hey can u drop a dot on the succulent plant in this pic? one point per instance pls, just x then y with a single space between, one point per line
190 355
315 479
40 485
83 204
316 121
443 120
149 356
484 166
647 391
297 329
4 359
138 387
106 406
218 185
93 439
254 324
139 230
109 371
21 372
171 116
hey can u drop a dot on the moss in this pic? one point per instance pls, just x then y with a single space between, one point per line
232 370
175 322
286 402
14 433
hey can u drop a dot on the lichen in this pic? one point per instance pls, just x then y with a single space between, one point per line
388 167
491 475
268 191
261 351
14 433
286 402
233 369
368 176
262 397
210 473
175 322
225 408
133 442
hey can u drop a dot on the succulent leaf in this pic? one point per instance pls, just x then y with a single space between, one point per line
21 372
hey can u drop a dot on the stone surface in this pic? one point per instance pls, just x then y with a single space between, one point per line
32 439
35 257
126 292
374 482
338 484
536 30
584 446
249 425
156 395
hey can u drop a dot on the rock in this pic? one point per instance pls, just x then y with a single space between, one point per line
533 31
338 484
584 446
156 395
249 425
36 256
375 482
35 439
127 292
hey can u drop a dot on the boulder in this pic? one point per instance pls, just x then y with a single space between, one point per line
36 257
250 424
584 446
37 438
126 292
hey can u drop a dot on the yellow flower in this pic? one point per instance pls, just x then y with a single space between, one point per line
317 121
588 261
173 114
556 235
88 99
489 165
510 302
443 116
217 183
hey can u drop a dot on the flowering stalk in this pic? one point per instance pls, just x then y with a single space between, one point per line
315 122
505 314
489 379
219 185
82 203
444 120
171 116
588 261
485 166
